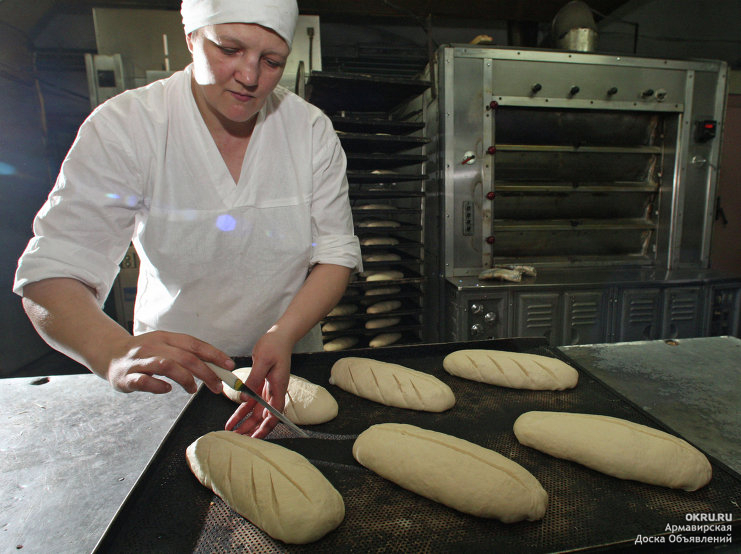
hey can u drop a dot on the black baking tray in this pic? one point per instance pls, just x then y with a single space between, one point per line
168 510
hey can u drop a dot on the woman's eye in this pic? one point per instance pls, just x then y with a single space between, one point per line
228 51
272 63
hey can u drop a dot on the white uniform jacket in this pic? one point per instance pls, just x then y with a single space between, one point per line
219 261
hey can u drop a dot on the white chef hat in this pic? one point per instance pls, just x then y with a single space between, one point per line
278 15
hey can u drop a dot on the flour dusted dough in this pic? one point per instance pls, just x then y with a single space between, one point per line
392 275
340 325
452 471
392 384
382 322
616 447
306 403
379 241
343 309
511 369
275 488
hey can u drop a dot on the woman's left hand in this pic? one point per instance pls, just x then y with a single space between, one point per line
271 368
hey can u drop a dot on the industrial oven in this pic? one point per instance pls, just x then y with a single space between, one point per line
597 170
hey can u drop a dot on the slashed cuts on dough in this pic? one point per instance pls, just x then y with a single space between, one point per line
452 471
616 447
275 488
511 369
392 384
306 403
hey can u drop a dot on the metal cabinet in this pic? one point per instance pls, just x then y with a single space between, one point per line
682 309
639 314
586 316
537 314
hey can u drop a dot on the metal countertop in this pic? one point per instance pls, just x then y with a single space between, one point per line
692 386
71 450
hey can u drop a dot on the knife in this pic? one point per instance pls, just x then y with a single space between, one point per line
234 382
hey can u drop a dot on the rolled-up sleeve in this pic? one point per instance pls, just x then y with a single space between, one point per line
334 241
86 225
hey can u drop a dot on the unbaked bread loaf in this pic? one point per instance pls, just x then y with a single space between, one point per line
339 325
452 471
378 223
306 403
340 343
616 447
511 369
382 322
392 384
379 241
391 275
275 488
381 257
384 339
383 307
343 309
382 290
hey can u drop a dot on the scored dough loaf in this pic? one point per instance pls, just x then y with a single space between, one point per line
452 471
275 488
306 403
511 369
392 384
616 447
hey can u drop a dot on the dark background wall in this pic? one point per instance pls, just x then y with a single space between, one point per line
43 86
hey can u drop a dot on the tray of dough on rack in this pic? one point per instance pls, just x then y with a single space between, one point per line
168 510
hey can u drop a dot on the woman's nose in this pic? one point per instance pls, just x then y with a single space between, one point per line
247 72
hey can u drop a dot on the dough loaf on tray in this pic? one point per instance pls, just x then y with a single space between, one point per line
275 488
511 369
392 384
306 403
452 471
616 447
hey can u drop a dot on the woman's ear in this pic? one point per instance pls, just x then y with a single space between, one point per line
189 40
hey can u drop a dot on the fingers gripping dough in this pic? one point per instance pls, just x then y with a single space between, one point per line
616 447
306 403
392 384
275 488
452 471
511 369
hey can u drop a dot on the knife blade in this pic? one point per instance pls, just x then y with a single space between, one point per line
234 382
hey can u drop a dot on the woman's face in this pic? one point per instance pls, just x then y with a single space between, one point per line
235 67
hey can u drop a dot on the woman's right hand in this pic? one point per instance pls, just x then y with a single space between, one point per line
137 361
67 315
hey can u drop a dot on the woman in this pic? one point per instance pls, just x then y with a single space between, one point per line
234 193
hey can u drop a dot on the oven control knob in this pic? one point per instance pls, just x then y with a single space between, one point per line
490 317
536 88
477 308
573 91
476 329
647 93
491 150
612 91
490 195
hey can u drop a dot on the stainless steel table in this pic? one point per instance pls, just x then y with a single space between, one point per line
70 451
693 386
